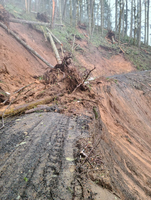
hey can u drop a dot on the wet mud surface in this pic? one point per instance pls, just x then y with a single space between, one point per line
37 156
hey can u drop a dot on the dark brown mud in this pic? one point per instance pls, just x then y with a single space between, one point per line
37 156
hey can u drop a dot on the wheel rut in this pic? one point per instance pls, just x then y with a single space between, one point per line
37 156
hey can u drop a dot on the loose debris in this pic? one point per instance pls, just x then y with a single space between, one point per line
88 164
67 75
60 82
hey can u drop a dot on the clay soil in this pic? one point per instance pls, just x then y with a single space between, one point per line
110 121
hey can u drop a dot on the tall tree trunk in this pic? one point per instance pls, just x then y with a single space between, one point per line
139 26
109 17
89 16
135 22
81 10
120 19
60 11
148 23
28 6
71 12
64 10
77 13
116 2
98 18
53 13
145 22
102 16
131 28
74 11
126 20
123 18
36 5
92 14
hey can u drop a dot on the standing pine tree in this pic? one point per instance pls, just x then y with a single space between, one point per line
148 22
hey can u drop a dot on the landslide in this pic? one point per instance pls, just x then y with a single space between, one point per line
122 122
125 111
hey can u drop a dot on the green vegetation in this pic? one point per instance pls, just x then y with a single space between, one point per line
95 112
25 179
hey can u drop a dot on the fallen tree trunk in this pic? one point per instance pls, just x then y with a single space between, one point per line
57 40
32 22
23 108
26 46
54 47
28 22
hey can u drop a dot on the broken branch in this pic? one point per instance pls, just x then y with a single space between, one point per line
122 50
57 40
54 47
84 79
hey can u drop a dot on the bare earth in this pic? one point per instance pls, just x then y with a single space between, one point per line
39 152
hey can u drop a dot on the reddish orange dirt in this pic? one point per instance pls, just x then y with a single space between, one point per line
123 102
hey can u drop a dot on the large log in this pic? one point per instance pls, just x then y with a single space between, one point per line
26 46
28 22
54 47
32 22
28 106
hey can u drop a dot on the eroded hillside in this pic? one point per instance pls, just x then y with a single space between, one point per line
117 109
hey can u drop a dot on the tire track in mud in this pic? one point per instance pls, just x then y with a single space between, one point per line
33 156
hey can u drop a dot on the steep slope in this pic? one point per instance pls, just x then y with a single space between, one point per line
125 110
17 65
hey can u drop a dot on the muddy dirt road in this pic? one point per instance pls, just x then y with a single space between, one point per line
37 156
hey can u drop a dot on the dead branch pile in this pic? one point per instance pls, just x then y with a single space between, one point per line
68 76
4 16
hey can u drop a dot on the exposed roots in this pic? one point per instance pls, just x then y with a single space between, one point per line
68 76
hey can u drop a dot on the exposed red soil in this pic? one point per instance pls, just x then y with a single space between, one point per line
104 67
126 113
22 66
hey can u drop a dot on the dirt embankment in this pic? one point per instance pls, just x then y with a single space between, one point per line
125 110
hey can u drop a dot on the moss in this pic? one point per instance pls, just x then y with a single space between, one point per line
95 112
